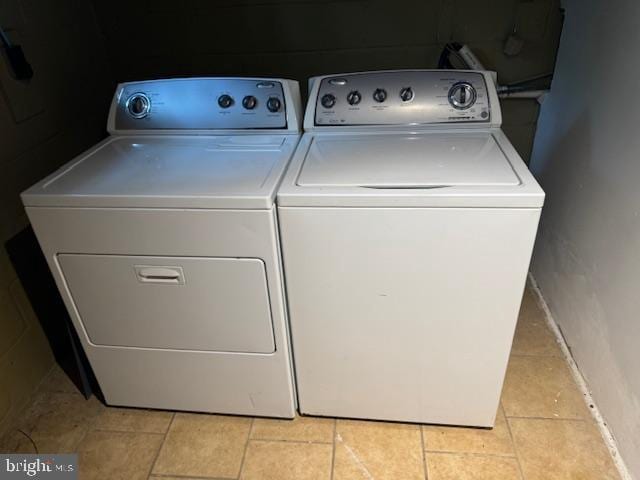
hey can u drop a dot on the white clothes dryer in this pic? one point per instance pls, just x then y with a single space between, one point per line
163 241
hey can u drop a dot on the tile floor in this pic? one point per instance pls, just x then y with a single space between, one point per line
543 431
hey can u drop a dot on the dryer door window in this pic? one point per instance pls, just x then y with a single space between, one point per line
182 303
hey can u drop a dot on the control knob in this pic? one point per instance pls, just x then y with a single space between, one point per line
406 94
225 101
462 95
354 97
249 102
380 95
274 104
328 100
138 105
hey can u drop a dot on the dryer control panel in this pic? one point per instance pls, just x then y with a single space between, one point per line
201 104
403 97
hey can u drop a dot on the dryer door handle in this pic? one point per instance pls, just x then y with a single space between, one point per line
156 274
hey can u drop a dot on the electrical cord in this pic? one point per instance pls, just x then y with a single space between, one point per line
18 63
449 50
518 88
4 39
35 447
530 79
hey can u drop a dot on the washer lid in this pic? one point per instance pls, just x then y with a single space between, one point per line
239 171
392 161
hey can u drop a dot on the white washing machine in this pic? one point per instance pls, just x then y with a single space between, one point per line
163 241
407 222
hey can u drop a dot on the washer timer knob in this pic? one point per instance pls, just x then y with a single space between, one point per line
328 100
462 95
274 104
380 95
138 105
225 101
354 97
249 102
406 94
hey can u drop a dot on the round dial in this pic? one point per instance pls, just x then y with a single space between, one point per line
249 102
274 104
225 101
138 105
462 95
328 100
354 97
406 94
380 95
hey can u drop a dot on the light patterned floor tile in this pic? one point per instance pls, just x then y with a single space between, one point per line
57 381
133 420
118 455
561 450
448 466
470 440
541 387
164 477
204 446
533 336
300 429
274 460
384 451
56 422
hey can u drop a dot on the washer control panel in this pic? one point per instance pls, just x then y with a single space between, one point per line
201 103
403 98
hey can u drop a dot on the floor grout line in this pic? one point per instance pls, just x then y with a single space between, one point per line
166 475
513 444
605 433
566 419
333 447
284 440
164 440
246 447
114 430
535 355
166 430
424 453
475 454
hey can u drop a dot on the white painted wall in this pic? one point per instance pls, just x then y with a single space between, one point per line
587 158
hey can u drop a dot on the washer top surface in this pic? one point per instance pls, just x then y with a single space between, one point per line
170 171
474 169
392 160
406 138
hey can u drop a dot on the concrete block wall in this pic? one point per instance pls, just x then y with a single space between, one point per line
43 124
303 38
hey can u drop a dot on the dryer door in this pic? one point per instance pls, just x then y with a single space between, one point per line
183 303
